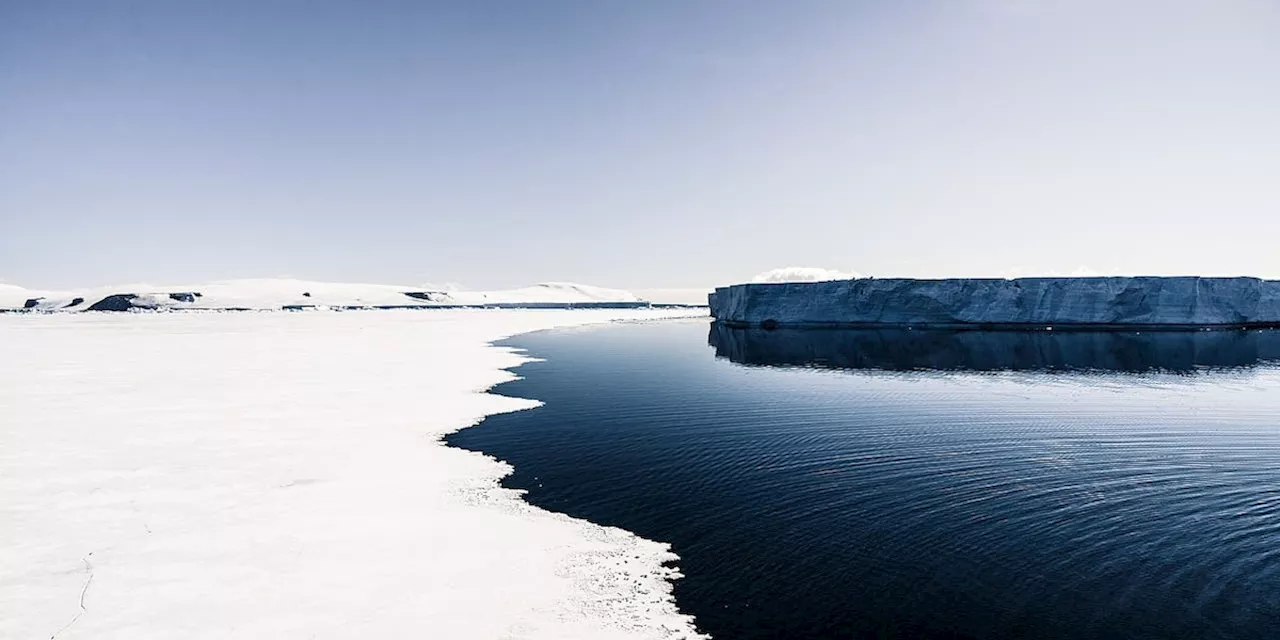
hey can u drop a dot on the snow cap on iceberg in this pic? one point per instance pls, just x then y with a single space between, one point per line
802 274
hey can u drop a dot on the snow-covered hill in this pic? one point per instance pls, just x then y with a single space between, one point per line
295 294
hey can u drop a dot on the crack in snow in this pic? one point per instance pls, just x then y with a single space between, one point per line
89 568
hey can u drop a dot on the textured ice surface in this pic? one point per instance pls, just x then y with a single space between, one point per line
1130 302
276 475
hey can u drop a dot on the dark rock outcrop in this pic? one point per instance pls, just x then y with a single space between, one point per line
428 296
116 302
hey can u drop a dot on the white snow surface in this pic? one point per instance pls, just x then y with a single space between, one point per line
13 296
278 475
273 293
802 274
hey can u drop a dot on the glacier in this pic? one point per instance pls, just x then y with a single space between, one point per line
1152 302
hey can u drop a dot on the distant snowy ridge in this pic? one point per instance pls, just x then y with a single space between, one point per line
267 294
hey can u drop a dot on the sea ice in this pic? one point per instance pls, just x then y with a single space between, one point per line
277 475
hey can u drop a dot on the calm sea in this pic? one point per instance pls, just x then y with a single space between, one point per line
916 484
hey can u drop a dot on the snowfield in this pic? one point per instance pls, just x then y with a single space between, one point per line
276 293
280 475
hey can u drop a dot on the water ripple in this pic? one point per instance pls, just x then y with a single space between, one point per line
1012 502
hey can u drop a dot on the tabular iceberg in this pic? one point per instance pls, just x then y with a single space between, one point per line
994 303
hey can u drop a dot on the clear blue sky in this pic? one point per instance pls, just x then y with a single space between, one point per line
634 143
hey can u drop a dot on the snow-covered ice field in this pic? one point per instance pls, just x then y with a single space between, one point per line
280 475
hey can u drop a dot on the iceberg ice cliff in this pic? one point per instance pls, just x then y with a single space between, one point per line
1111 302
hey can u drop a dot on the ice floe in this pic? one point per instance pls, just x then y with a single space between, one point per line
278 475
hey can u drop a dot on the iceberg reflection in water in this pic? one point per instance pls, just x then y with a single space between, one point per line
960 485
972 350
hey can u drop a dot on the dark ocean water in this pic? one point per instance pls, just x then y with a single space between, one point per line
895 484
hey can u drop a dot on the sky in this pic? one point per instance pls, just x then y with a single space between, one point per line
635 144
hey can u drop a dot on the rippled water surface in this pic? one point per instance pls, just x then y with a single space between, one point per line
891 485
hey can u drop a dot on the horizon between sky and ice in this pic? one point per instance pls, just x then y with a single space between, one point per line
269 293
207 475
